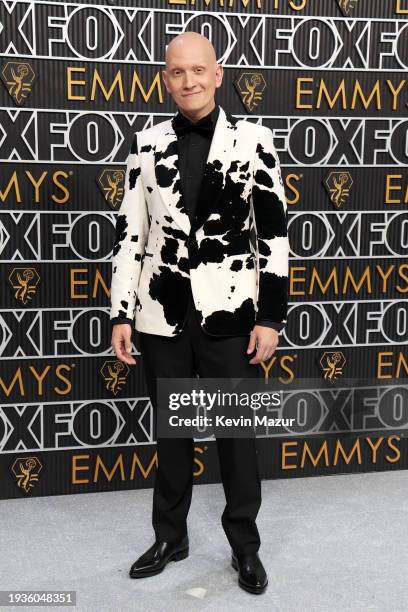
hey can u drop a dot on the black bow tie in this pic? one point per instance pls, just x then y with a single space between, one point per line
182 125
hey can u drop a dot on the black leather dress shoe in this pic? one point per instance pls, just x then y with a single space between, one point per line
155 559
251 573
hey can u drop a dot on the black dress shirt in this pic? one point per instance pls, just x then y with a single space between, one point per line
193 147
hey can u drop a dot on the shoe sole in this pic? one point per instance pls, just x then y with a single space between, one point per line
178 556
253 590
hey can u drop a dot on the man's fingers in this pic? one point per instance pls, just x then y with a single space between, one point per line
128 345
268 354
251 345
263 353
269 351
124 355
259 354
123 347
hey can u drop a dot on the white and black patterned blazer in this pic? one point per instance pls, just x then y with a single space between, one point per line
158 251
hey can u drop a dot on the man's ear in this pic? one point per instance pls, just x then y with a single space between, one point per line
221 74
164 76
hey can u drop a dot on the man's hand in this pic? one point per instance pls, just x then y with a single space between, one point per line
122 342
265 339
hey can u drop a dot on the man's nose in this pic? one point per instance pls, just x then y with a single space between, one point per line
188 81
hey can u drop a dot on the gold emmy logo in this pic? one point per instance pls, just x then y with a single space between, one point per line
250 86
115 373
24 282
26 471
18 77
111 183
332 364
346 6
338 185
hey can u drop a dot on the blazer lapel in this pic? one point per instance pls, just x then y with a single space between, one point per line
166 168
216 167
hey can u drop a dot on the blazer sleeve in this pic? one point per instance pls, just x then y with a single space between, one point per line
268 323
270 221
132 227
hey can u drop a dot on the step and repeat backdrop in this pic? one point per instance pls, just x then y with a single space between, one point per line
77 80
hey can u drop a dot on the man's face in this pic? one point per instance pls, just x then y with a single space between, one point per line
191 79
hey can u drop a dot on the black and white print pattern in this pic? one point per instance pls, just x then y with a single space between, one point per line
158 251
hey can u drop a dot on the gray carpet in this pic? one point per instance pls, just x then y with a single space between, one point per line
328 543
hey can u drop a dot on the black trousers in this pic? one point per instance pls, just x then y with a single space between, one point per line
195 352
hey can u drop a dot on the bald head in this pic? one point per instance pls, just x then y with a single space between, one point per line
190 44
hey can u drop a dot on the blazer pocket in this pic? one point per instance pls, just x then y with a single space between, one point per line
143 257
149 256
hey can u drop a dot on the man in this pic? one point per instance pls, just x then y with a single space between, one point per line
203 296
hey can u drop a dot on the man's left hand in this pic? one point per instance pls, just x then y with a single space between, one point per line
265 339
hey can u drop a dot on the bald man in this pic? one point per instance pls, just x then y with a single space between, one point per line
183 265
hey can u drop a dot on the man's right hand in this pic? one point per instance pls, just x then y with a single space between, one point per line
122 342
